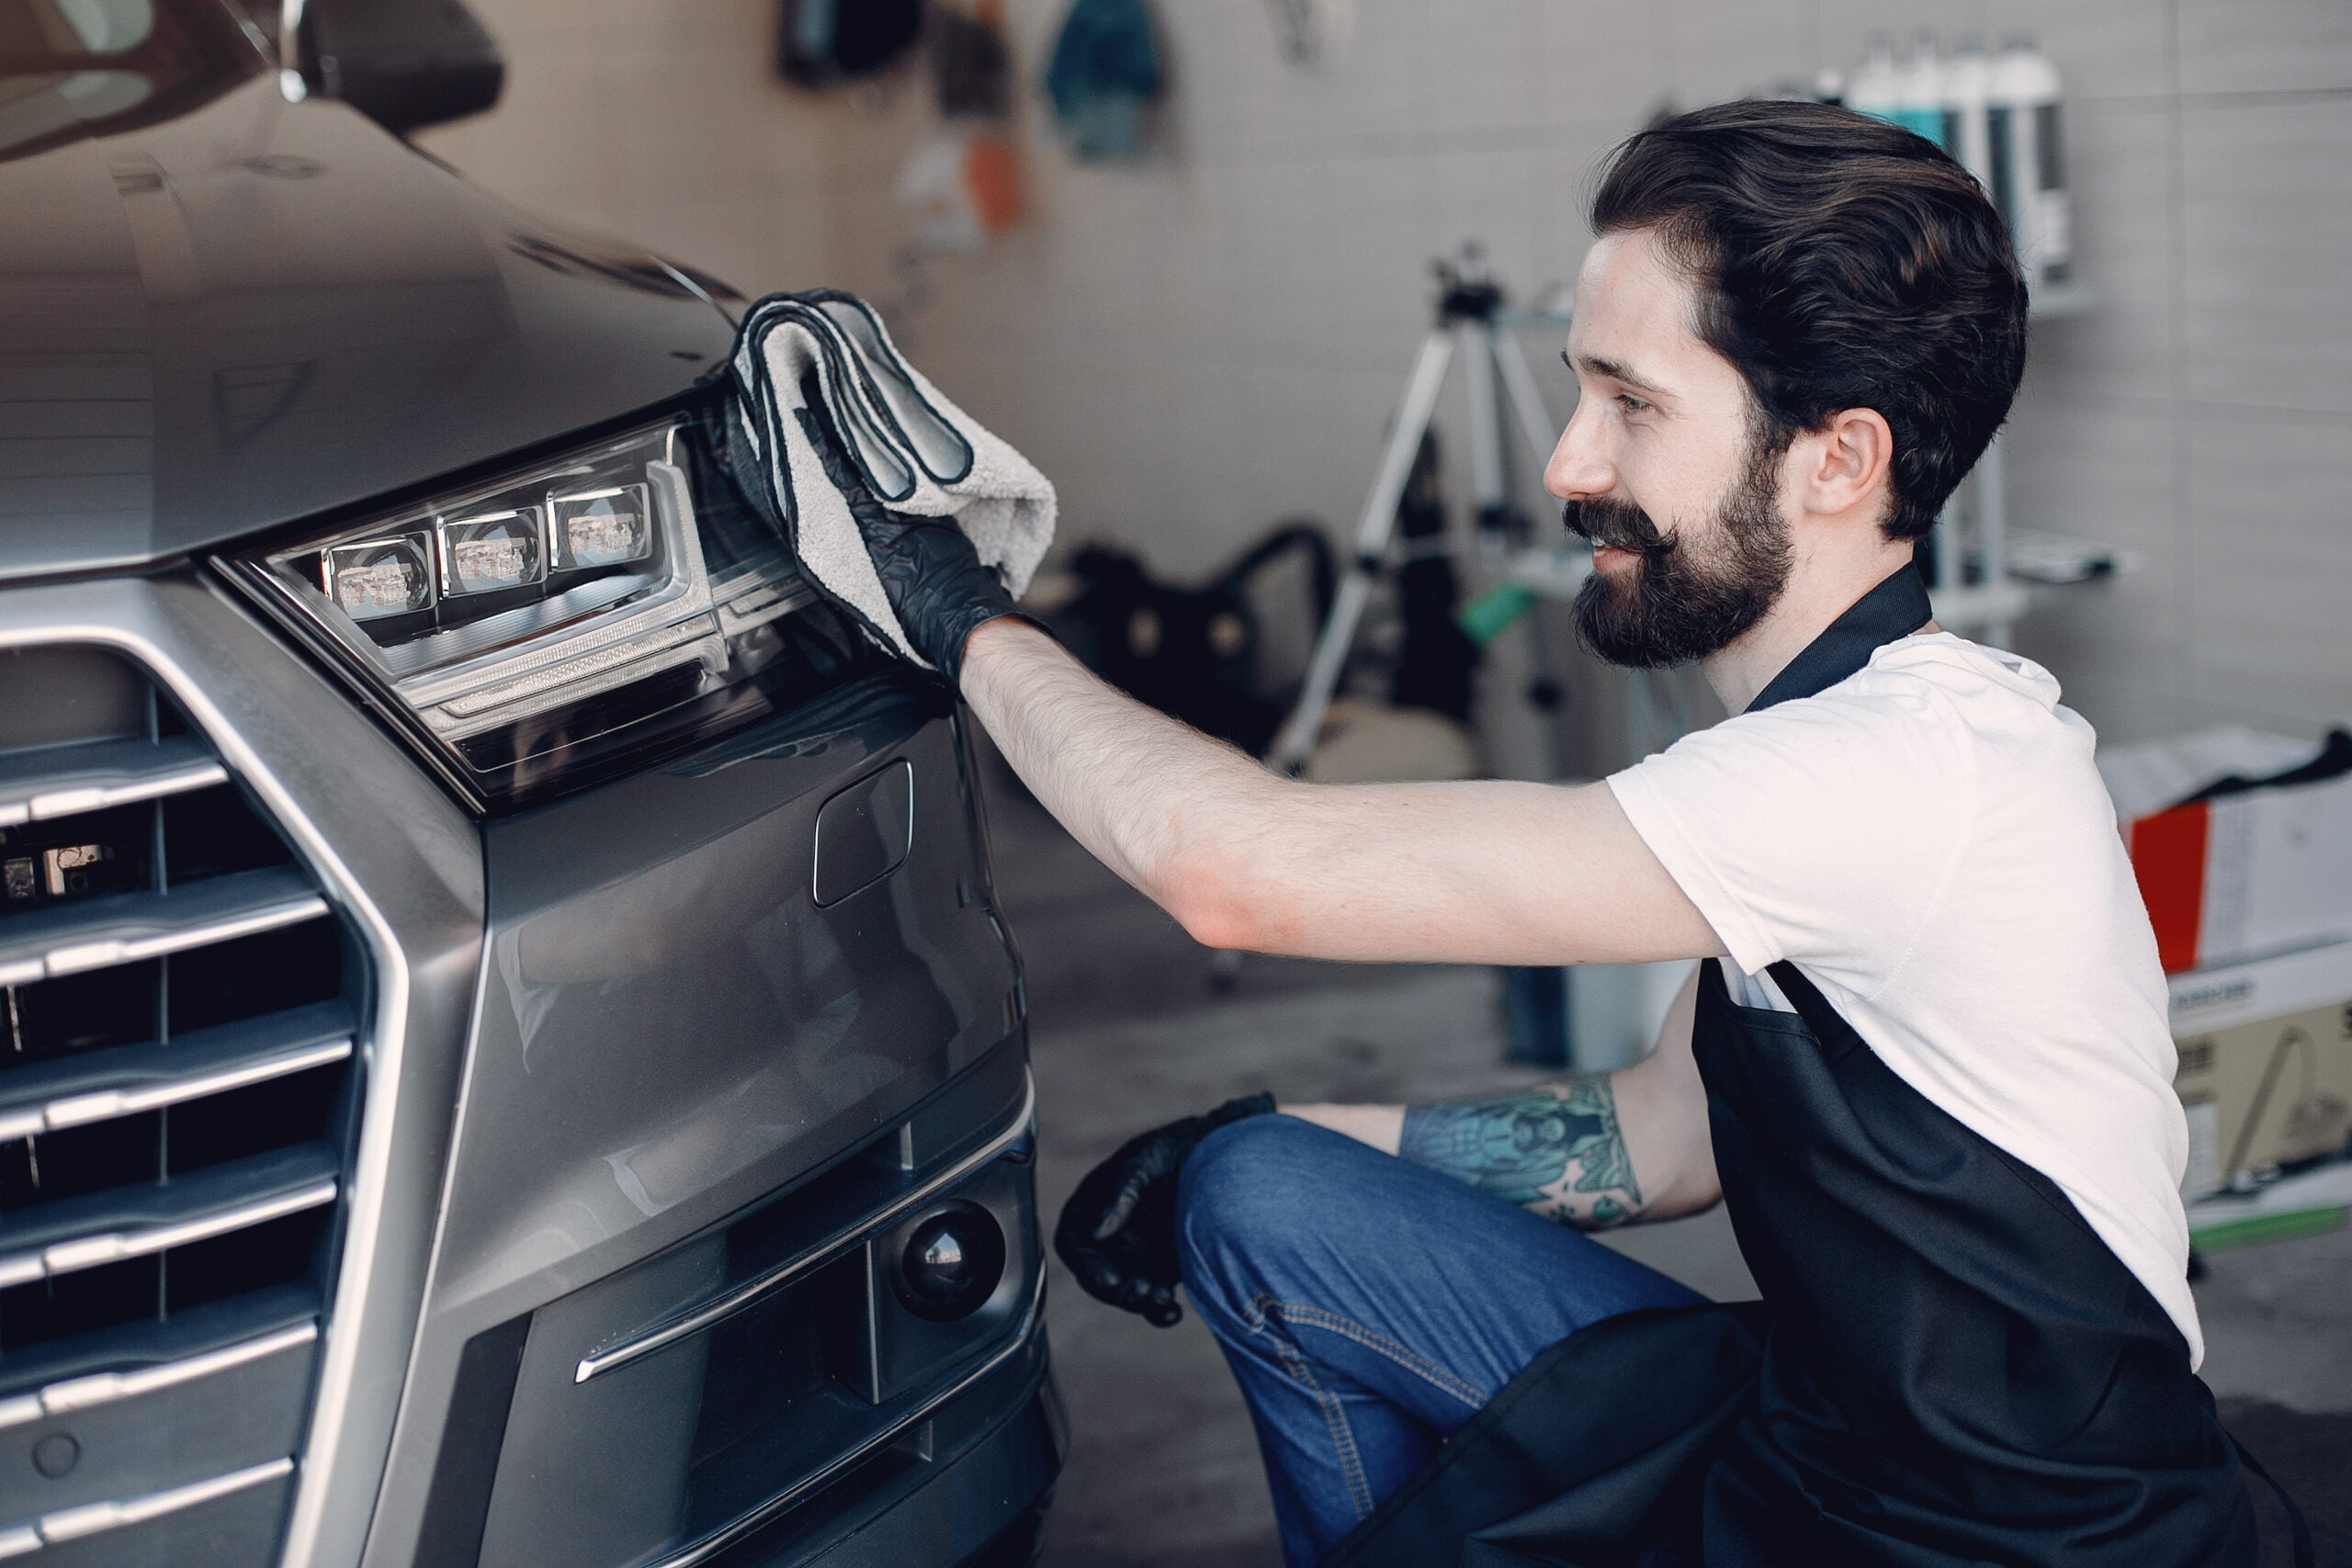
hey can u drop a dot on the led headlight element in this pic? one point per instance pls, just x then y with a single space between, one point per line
550 610
603 527
492 551
375 578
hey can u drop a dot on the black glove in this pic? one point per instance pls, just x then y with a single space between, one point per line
930 572
1118 1230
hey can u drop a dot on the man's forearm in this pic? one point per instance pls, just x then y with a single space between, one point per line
1484 871
1558 1148
1591 1150
1135 787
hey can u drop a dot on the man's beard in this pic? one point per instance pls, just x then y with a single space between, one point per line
1692 595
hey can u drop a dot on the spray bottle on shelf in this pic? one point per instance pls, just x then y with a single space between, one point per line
1876 87
1967 94
2028 172
1919 89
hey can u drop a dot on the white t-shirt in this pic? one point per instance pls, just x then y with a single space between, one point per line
1928 842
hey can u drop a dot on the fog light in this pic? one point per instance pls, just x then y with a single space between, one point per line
950 1262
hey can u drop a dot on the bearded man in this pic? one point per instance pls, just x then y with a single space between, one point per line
1925 1059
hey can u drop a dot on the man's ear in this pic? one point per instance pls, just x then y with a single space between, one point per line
1845 465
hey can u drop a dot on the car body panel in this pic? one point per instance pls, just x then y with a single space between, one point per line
268 311
670 1027
598 1032
624 1092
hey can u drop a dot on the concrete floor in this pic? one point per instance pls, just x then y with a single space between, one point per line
1127 1033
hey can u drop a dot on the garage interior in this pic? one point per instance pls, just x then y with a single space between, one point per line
1198 321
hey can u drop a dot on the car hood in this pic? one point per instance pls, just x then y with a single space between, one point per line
261 312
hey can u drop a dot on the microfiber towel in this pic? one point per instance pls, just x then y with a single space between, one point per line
916 451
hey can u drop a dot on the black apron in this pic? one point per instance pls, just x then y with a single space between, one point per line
1948 1367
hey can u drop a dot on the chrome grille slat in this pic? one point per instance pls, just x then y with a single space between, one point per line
91 1252
124 927
27 1091
208 1204
181 1068
70 1395
100 1105
68 780
96 1519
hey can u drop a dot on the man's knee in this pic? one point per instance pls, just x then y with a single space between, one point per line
1246 1204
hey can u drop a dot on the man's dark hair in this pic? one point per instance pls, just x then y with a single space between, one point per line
1841 263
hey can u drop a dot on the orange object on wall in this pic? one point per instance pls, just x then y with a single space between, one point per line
994 180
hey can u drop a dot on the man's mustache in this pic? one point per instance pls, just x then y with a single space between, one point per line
1616 524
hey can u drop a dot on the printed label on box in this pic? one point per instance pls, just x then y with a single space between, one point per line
2275 1092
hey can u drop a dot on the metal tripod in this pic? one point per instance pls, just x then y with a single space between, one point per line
1469 321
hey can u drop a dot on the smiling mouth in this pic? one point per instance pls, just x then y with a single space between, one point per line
1613 558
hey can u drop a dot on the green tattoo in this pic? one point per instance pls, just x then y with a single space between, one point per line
1520 1148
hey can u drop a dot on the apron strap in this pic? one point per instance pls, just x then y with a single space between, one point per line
1895 608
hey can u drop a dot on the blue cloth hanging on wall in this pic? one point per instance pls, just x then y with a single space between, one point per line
1105 68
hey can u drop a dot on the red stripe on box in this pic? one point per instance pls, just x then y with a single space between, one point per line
2168 858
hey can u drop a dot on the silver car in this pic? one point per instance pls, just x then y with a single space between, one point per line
510 1054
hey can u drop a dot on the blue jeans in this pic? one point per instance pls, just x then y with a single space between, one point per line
1369 1307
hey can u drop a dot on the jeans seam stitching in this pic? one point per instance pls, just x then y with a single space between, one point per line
1335 1419
1343 1438
1324 1318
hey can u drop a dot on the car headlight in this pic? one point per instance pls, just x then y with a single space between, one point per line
557 625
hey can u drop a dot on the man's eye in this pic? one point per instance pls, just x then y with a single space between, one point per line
1631 404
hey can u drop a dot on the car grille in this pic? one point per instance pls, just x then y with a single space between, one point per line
178 1091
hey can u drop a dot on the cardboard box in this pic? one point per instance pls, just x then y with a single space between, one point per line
2266 1065
2263 870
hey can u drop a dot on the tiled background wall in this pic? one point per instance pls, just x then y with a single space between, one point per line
1213 340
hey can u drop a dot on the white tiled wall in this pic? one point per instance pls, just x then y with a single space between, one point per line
1200 345
659 121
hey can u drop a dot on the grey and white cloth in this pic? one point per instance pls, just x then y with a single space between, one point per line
916 451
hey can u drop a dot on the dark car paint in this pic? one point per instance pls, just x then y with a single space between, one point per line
663 990
264 312
669 1028
271 313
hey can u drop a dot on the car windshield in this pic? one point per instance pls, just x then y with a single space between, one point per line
75 68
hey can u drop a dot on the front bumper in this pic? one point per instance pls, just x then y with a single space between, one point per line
970 1490
543 1131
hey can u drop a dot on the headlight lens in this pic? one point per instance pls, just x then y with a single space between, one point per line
557 625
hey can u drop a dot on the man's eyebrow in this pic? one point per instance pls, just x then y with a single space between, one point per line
1597 365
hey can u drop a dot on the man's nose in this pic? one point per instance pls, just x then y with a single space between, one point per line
1579 469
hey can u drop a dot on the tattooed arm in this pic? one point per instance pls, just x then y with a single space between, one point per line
1592 1150
1557 1149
